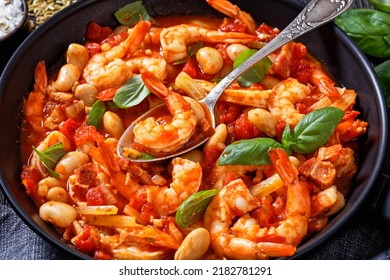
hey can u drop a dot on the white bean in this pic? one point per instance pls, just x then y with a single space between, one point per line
113 124
196 108
210 60
194 245
234 50
47 183
69 74
57 194
263 120
194 155
70 162
87 93
77 55
218 138
57 213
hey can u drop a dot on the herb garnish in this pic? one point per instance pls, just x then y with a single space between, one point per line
193 208
50 157
254 74
95 116
312 132
131 13
132 93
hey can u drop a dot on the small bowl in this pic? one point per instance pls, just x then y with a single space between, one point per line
19 25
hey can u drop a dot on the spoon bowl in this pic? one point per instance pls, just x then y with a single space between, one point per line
128 137
315 14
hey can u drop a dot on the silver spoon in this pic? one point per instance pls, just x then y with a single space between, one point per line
315 14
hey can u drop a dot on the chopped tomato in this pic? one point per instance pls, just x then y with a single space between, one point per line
86 242
266 29
190 67
95 197
222 49
30 177
87 133
101 255
97 33
244 129
233 25
140 203
279 130
107 94
228 112
265 214
69 127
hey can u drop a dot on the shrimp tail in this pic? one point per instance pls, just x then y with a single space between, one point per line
176 102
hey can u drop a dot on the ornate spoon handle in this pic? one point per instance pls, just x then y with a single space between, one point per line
315 14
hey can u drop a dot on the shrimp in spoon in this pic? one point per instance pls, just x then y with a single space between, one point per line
165 133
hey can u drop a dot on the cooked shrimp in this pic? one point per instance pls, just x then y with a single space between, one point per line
37 98
107 69
323 200
234 12
322 81
282 61
331 165
160 135
186 179
152 62
283 98
343 159
221 175
246 238
350 128
175 39
105 155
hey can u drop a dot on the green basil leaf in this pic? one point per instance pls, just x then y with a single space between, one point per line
131 13
254 74
383 5
50 157
132 93
383 72
95 116
369 29
193 208
314 129
248 151
287 140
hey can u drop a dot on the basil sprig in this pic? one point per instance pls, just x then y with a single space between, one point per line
248 151
132 93
254 74
50 157
193 208
95 116
369 29
312 132
131 13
